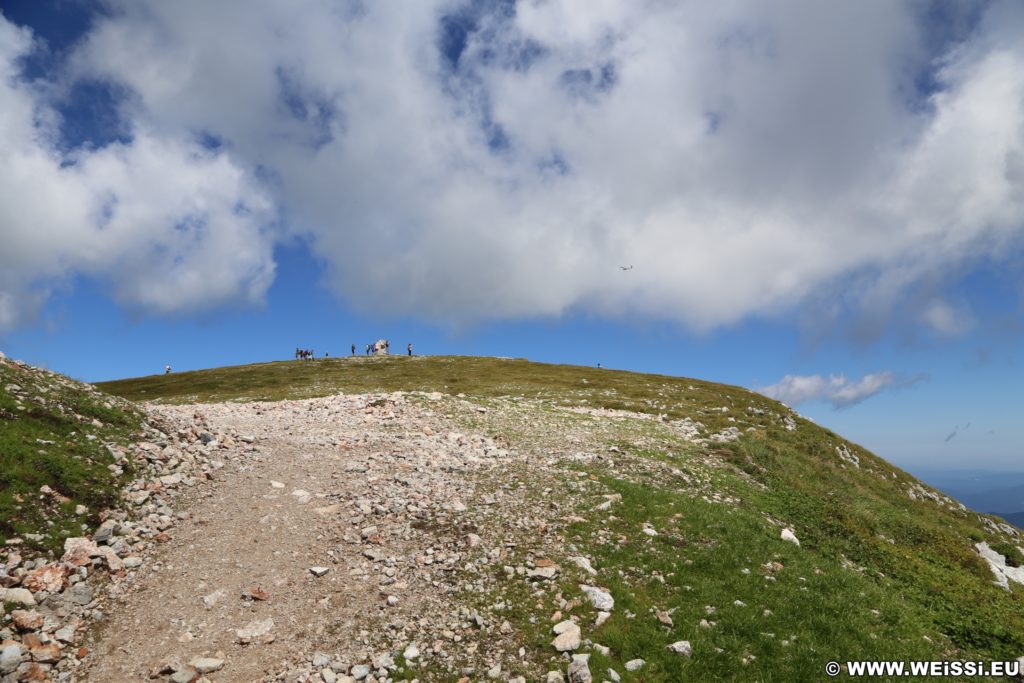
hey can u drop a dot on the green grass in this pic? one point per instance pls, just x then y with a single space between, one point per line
886 568
478 377
54 432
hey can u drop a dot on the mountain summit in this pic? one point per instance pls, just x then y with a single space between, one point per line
453 518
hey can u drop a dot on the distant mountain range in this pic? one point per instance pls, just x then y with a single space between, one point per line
998 493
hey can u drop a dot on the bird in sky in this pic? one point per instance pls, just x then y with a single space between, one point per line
626 267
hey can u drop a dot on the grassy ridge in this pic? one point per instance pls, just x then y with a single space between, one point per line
886 570
54 432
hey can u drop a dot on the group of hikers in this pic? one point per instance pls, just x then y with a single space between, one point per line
380 347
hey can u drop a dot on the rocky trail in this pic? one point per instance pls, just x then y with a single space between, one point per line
304 541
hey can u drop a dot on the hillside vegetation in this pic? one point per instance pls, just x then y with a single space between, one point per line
58 462
886 567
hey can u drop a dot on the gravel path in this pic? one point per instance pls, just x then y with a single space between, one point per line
331 485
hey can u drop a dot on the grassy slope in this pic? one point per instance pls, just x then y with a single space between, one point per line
886 576
54 432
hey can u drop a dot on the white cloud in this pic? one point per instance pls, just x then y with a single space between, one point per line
745 157
172 226
835 389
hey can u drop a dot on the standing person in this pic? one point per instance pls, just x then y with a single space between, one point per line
353 348
167 369
409 349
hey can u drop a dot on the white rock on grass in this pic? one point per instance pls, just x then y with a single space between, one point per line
997 563
584 564
634 664
568 636
788 535
579 669
681 648
601 599
411 652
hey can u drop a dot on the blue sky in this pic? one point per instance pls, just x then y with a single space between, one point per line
824 203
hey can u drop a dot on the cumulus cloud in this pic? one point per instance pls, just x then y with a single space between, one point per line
835 389
471 160
170 225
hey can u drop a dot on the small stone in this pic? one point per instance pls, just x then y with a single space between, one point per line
788 535
584 564
30 672
601 618
555 677
568 636
360 671
601 599
46 654
473 540
614 676
411 652
19 596
634 664
80 593
319 571
27 620
579 669
276 485
681 648
50 578
663 617
106 531
328 675
184 675
254 629
543 573
10 658
213 598
206 665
